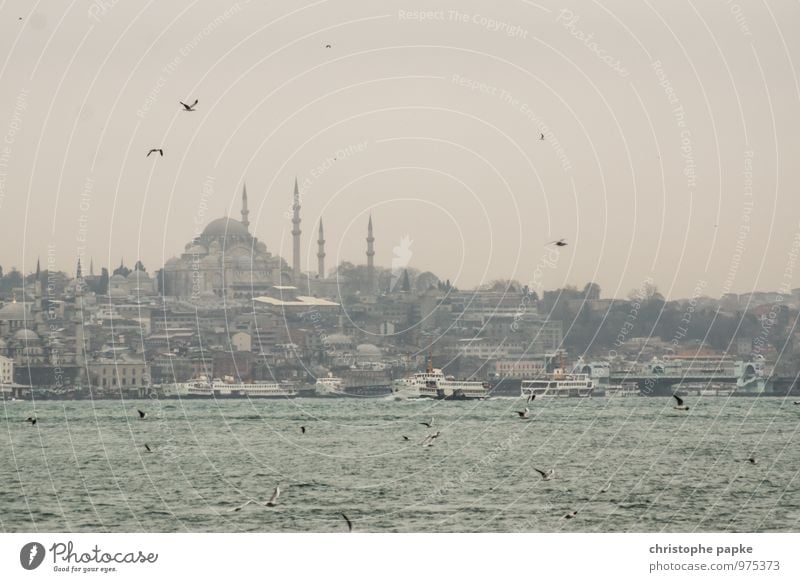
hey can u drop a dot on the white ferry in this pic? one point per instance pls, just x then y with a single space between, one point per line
227 388
329 386
432 383
623 390
559 384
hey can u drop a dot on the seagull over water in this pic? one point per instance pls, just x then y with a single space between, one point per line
142 414
428 424
155 151
146 446
31 419
302 430
523 413
188 107
680 405
349 523
545 476
531 397
428 440
559 243
571 515
273 501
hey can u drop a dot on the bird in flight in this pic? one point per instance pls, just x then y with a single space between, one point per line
559 243
188 107
302 430
155 150
142 414
405 438
523 413
31 419
606 488
541 137
428 424
545 476
273 501
349 523
752 460
146 446
681 405
571 515
531 396
327 46
428 440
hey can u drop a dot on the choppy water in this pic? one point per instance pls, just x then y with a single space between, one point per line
83 467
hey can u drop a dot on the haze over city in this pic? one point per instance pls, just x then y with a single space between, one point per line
669 131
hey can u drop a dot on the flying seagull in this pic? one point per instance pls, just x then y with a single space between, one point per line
531 396
571 515
606 488
154 150
273 501
559 243
545 476
405 438
31 419
541 137
302 430
796 402
752 460
428 440
327 46
681 405
523 413
428 424
142 415
349 523
146 446
188 107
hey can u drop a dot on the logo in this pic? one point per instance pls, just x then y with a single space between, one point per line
31 555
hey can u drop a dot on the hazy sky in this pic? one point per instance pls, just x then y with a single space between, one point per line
672 135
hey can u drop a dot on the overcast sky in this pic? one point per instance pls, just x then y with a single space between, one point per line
670 153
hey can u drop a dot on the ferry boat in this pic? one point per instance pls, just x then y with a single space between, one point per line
559 384
623 390
328 386
432 383
227 388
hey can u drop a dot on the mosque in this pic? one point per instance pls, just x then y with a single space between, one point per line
226 260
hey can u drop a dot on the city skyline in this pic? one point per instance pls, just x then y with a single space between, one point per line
637 170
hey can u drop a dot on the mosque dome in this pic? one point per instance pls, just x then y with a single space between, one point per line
26 335
225 227
368 350
12 311
339 339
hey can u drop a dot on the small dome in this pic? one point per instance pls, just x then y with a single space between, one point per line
26 335
225 227
339 339
118 277
196 250
12 311
173 262
368 350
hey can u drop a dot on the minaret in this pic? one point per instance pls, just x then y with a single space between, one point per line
91 267
79 273
370 257
245 211
321 253
296 233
